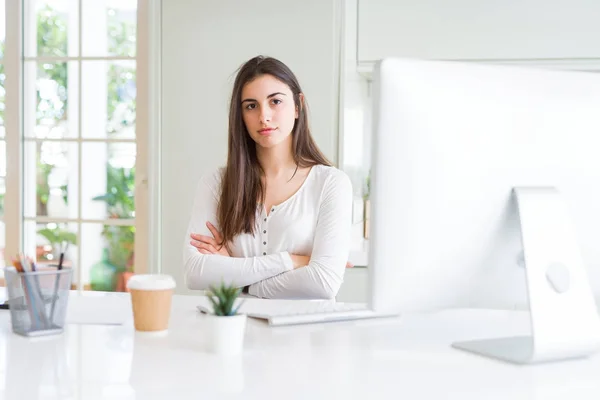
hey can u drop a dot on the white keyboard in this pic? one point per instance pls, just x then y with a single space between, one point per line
295 307
288 312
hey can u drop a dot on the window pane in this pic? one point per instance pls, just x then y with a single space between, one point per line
115 33
50 179
107 253
2 29
50 28
108 99
50 99
108 180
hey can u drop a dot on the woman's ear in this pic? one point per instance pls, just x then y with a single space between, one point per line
300 104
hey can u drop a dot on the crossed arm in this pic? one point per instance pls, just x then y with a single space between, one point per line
280 275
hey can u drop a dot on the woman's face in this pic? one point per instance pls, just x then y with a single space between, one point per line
268 110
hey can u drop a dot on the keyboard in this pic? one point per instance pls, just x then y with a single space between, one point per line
289 312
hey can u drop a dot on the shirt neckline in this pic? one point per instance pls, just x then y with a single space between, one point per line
296 193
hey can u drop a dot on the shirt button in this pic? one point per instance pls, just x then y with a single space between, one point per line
264 231
264 254
265 220
265 243
272 209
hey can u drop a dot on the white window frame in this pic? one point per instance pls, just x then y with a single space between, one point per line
147 202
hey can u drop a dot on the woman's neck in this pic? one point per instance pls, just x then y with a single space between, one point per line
276 161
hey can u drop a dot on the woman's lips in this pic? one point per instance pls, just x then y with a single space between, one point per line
266 131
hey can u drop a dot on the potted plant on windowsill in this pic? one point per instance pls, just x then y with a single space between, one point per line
226 326
55 236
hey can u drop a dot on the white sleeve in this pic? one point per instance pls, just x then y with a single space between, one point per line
323 276
204 270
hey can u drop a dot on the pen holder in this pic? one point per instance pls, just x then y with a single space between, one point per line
38 300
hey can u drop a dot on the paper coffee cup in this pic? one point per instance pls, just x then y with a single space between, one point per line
151 301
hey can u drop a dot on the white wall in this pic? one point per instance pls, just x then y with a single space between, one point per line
204 42
476 29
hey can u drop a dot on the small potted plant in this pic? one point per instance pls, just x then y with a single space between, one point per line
227 327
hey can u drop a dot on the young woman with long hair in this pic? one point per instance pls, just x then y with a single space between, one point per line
276 220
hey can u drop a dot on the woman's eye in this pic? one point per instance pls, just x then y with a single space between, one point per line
276 101
250 106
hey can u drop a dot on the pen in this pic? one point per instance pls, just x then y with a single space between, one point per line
63 248
61 258
23 268
40 305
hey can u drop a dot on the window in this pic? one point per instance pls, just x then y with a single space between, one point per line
79 144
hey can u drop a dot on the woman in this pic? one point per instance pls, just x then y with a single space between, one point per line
277 219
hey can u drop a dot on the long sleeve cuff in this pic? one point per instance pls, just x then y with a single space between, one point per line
286 259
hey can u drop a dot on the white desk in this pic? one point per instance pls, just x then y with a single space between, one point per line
407 358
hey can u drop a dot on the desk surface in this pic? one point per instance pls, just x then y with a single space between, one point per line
409 357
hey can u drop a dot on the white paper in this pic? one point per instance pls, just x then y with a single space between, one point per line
98 310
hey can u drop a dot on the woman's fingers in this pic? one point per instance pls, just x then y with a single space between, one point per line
207 243
215 232
204 246
204 239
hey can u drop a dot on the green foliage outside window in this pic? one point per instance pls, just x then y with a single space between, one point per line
52 40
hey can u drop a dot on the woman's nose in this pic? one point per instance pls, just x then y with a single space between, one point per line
265 116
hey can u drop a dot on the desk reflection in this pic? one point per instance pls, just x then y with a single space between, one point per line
37 367
179 365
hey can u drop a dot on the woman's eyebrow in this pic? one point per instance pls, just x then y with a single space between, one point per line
268 97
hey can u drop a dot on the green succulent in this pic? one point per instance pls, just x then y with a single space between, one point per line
223 299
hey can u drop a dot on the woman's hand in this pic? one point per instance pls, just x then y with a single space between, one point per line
210 245
302 261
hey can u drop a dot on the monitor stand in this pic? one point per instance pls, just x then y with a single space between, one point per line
564 318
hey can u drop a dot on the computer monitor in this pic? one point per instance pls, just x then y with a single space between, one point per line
470 162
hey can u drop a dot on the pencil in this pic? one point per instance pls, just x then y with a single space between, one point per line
21 267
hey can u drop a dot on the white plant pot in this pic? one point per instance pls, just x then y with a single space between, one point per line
226 334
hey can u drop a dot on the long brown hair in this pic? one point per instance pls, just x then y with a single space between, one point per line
241 185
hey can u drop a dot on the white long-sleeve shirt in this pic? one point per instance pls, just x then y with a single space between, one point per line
315 221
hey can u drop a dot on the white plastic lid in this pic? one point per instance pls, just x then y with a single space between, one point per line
150 282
